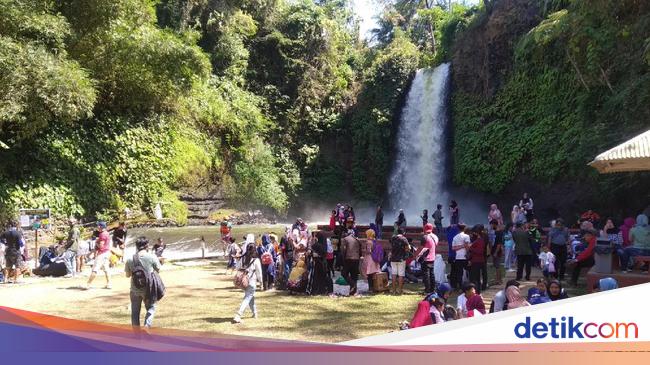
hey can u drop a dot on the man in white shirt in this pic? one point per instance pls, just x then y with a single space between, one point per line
460 244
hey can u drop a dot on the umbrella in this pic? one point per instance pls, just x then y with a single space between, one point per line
633 155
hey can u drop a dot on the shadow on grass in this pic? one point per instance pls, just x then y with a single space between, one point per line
218 320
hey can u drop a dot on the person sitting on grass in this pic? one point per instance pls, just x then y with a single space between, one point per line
555 290
605 284
538 294
500 300
515 300
475 306
469 290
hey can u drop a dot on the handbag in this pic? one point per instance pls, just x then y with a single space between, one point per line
242 278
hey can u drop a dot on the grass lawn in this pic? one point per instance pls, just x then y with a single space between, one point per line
201 297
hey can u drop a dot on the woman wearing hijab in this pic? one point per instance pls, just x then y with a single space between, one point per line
369 266
443 292
628 224
268 257
495 215
475 304
555 291
639 239
500 301
515 300
318 279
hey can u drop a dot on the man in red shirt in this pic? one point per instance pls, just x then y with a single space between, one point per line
428 255
102 256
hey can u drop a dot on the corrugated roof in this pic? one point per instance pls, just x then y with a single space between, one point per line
633 155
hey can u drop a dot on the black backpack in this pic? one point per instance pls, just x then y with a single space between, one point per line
139 276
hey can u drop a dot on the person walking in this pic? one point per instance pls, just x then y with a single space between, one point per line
13 239
351 251
427 256
148 263
102 256
559 241
524 250
251 263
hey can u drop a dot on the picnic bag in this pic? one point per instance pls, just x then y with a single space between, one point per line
139 276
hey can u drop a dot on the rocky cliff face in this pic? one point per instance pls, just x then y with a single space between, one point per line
483 55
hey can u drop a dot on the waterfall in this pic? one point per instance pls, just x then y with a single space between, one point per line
418 178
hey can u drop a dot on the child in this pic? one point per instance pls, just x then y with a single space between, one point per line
330 257
547 262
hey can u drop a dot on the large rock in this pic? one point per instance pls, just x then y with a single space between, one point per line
483 54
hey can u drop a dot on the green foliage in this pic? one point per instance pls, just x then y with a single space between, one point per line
371 123
579 86
40 84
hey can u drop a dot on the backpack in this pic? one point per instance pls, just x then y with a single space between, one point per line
266 258
377 252
241 278
139 276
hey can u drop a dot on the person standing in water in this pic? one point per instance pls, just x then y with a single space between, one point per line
400 223
454 210
437 219
425 217
379 221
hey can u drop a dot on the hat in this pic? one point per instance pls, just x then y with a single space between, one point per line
101 224
428 228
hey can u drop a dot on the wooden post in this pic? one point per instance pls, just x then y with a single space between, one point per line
203 249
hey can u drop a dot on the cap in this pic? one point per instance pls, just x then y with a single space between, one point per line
101 224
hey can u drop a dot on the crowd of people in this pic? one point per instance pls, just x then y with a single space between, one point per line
304 262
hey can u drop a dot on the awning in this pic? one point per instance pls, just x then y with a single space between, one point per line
633 155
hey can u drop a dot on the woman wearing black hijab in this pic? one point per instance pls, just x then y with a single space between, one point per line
319 280
555 291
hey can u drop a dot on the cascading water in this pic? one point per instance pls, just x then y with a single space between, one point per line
419 173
